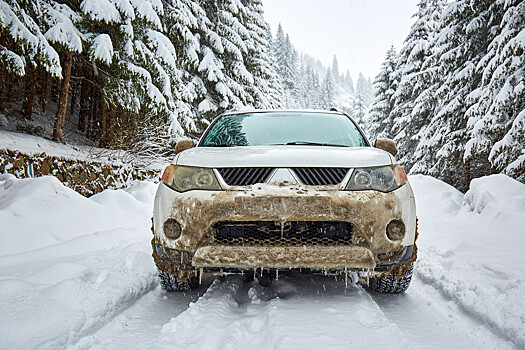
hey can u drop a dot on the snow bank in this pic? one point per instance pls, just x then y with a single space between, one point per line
494 195
30 144
471 248
69 264
40 212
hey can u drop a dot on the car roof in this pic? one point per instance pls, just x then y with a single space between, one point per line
283 111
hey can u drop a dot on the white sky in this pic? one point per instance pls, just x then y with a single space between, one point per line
358 32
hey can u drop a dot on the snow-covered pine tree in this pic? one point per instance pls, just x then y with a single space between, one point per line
258 60
360 112
380 122
327 91
496 124
335 69
462 39
349 83
186 23
275 81
64 35
408 120
286 59
22 40
364 89
235 37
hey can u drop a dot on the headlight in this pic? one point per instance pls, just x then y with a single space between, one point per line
186 178
384 179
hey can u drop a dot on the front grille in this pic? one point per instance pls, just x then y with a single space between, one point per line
321 176
291 233
244 176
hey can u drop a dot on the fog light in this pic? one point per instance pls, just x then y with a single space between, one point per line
395 230
172 229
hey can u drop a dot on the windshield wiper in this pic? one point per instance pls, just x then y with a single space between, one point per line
307 143
220 145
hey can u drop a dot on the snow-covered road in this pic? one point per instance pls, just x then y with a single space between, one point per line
77 273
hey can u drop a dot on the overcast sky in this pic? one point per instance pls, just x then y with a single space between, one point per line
358 32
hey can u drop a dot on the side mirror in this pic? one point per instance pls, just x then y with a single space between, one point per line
183 145
386 145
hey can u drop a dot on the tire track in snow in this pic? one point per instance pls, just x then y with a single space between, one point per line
311 312
500 312
430 319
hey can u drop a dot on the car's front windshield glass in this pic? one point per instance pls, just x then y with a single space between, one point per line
284 128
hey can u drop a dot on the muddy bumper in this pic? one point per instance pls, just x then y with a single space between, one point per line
284 257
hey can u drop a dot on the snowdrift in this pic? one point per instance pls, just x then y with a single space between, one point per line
69 264
471 248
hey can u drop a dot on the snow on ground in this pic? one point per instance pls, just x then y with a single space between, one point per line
69 264
84 278
30 144
472 248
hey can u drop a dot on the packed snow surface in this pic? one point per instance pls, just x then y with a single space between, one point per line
77 273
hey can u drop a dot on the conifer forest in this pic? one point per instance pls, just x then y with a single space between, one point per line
141 74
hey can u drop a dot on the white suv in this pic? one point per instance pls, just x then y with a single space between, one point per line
274 192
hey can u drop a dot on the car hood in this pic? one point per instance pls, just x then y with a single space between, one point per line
284 156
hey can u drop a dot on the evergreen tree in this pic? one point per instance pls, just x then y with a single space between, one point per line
407 119
335 69
380 122
463 37
258 60
327 92
364 90
349 83
496 119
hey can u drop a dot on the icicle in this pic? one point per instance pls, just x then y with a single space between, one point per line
346 278
181 257
276 275
254 272
325 272
200 275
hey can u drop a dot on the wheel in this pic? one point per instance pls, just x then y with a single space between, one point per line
169 282
392 284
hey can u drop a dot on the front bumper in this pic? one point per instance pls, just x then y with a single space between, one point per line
369 211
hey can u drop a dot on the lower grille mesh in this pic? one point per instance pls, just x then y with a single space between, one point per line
291 233
321 176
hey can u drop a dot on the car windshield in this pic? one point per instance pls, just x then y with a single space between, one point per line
284 128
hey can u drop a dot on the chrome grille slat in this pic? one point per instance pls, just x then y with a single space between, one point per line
321 176
244 176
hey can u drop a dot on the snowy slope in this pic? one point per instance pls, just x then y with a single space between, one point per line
88 281
30 145
69 264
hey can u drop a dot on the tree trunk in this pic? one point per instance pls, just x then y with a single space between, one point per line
112 127
58 128
84 104
468 175
73 99
2 73
43 90
29 97
92 119
102 126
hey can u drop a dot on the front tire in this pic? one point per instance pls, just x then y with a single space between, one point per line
170 283
392 284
